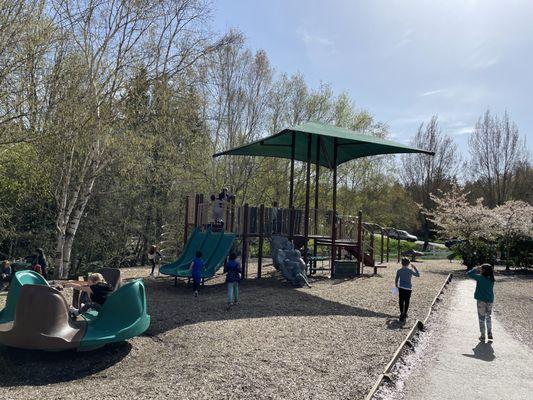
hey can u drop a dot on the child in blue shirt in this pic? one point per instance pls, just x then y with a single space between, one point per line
196 268
403 283
233 277
484 294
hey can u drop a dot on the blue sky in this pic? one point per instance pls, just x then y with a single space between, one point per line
402 60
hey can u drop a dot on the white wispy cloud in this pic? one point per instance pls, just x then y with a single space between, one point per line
311 39
435 92
405 39
465 130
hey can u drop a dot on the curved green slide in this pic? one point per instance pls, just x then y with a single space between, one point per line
122 317
194 243
208 250
214 256
20 279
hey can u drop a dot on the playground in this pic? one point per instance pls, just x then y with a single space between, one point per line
329 341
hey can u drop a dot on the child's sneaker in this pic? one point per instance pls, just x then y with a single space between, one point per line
196 293
490 337
482 338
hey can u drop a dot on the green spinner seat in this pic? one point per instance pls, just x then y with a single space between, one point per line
19 279
122 317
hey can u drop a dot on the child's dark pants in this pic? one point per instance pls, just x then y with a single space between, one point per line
405 296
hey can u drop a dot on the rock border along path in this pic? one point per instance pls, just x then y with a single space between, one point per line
463 367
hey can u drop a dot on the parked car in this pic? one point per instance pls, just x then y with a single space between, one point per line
452 242
402 235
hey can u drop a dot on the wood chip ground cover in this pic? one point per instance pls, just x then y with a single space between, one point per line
326 342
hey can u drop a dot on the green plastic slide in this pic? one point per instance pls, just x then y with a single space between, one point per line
122 317
216 256
208 250
20 279
194 243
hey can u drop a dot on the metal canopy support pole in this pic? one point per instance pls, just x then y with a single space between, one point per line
261 234
244 256
334 216
307 195
382 245
360 255
388 246
291 187
317 181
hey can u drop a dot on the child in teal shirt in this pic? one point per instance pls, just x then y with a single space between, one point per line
484 294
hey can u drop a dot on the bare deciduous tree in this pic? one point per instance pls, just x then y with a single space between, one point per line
424 174
496 151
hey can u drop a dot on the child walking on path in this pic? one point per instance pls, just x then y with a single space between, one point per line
233 277
196 267
484 294
403 283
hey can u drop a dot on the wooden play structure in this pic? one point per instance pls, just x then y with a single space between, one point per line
350 240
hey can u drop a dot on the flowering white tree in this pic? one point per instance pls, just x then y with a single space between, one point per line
478 226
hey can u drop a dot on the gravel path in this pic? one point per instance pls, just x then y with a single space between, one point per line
327 342
514 304
457 365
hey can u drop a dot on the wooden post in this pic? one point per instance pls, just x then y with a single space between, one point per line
261 234
361 256
334 216
201 202
232 214
388 246
244 255
382 246
196 202
186 226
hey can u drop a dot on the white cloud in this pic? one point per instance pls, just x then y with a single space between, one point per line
407 37
465 130
435 92
309 39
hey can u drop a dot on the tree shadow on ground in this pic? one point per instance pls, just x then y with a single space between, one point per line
171 307
38 368
483 351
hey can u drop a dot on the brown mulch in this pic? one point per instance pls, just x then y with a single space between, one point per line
513 303
326 342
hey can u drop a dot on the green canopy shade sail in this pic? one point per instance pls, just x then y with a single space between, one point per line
349 145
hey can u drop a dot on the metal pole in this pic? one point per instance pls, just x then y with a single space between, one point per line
382 245
317 180
307 195
388 246
291 187
244 256
261 234
334 217
360 241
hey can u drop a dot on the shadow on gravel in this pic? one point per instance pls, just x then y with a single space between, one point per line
483 351
37 368
396 324
171 307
